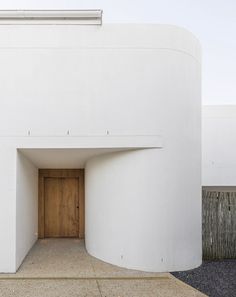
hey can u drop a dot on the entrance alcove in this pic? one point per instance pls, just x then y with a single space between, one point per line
39 174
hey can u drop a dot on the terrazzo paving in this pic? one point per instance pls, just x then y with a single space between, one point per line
62 267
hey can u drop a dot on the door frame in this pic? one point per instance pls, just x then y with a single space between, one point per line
57 173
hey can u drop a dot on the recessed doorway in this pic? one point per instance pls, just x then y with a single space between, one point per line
61 203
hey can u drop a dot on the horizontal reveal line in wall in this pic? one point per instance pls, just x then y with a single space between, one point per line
105 136
77 48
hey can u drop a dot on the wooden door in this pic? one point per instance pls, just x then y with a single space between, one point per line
61 203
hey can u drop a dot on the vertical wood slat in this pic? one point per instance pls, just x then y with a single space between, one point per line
218 224
81 206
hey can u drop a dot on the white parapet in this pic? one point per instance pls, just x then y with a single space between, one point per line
30 17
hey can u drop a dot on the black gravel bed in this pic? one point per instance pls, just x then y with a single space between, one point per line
213 278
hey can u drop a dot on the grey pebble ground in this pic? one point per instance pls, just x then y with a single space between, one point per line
213 278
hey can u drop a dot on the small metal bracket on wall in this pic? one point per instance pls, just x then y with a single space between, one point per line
54 17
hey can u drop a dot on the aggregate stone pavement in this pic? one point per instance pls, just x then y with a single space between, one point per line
63 268
96 288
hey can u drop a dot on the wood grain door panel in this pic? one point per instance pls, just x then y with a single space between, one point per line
52 195
61 203
69 209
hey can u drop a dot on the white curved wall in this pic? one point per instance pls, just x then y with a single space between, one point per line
111 86
90 79
143 207
140 217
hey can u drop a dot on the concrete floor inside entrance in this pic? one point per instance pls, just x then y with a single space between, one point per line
67 257
62 267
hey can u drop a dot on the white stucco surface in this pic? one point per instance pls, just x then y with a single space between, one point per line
26 207
8 208
218 145
111 87
133 216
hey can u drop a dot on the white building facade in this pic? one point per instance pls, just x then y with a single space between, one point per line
124 103
218 142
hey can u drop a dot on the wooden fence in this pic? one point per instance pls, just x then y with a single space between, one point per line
219 224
